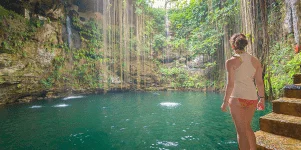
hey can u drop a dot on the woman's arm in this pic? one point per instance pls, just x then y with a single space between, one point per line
258 79
259 85
230 80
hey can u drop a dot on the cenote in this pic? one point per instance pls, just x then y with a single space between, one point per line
129 120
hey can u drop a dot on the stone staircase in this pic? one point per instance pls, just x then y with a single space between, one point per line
281 129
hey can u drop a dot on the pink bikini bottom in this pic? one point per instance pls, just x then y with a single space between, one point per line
247 103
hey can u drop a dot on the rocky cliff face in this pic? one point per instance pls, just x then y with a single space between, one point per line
28 48
35 59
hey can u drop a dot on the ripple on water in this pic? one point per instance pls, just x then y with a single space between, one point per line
61 105
159 145
156 93
189 137
78 138
231 142
170 104
167 143
36 106
72 97
226 142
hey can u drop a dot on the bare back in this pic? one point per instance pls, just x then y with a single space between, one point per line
242 70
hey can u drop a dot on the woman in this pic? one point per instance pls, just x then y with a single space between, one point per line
241 94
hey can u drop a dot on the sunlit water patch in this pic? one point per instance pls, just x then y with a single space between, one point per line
61 105
170 104
162 144
72 97
36 106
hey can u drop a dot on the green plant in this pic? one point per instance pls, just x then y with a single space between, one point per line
1 80
47 83
179 78
282 66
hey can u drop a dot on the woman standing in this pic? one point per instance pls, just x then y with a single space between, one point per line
241 94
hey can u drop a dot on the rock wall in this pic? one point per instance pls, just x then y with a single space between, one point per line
26 55
35 60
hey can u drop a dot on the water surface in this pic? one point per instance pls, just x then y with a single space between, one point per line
132 120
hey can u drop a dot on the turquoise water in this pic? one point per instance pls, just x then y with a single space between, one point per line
131 120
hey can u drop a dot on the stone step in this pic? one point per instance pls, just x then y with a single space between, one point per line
287 106
292 91
269 141
280 124
297 78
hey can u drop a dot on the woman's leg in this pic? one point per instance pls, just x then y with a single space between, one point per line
249 113
238 116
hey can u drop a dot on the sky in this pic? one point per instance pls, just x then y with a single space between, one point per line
159 3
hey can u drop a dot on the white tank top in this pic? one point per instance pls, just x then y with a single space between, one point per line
244 86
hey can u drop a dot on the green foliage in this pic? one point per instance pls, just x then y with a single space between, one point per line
47 83
282 66
201 25
89 30
198 28
16 31
36 22
159 42
85 59
179 78
87 54
1 80
157 23
8 13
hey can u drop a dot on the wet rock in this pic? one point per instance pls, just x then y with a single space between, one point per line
182 60
82 19
48 33
115 80
89 5
50 95
196 62
45 57
42 18
41 8
56 12
11 70
76 40
73 14
6 60
98 16
26 99
27 14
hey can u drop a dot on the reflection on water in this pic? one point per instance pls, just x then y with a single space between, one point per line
36 106
170 104
72 97
61 105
